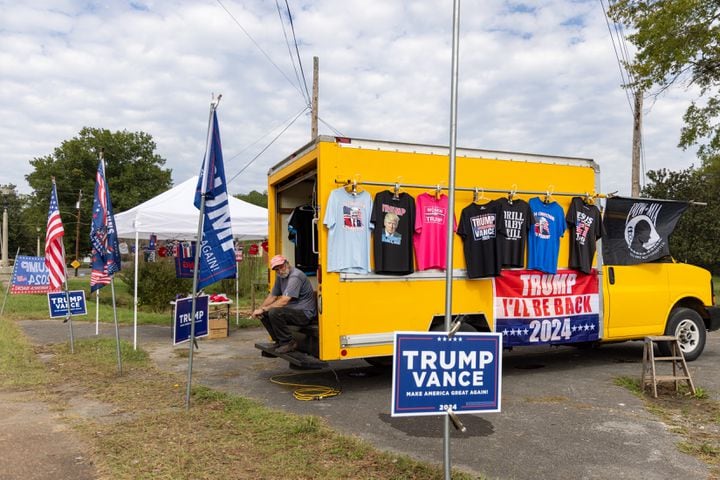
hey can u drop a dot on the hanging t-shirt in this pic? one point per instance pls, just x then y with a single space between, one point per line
517 220
347 218
393 221
300 232
544 239
430 231
479 227
585 220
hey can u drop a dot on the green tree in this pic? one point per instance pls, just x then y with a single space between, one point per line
678 41
254 197
695 239
133 172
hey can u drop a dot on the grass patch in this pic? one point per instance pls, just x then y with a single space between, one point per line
35 307
146 433
630 383
19 366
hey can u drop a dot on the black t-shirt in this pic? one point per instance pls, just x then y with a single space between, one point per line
518 219
393 220
300 231
584 221
479 228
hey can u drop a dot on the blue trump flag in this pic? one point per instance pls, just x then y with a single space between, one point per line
217 252
103 235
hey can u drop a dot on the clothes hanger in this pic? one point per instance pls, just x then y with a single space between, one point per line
438 191
478 194
352 187
396 191
589 199
513 191
548 194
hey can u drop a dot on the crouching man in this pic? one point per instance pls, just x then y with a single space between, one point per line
290 302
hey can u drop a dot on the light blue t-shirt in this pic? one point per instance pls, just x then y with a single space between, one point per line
347 218
544 236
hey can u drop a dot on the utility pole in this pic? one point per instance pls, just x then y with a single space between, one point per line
77 232
314 114
5 240
637 142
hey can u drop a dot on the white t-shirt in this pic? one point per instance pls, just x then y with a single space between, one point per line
347 218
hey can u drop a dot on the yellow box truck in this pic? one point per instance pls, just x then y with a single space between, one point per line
359 308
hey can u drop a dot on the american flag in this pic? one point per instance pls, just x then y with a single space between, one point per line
54 249
103 236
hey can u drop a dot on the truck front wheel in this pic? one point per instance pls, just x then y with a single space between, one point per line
687 325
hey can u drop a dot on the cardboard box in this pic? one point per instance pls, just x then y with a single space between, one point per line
217 328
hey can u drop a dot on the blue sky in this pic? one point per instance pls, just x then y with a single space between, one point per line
537 77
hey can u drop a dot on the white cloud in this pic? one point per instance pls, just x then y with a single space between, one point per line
538 78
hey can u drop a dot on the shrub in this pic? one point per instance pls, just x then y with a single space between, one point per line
157 285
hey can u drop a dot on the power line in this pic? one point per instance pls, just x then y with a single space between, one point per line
260 48
617 56
297 50
268 145
335 130
287 43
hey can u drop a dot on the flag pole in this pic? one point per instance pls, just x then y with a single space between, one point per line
117 327
112 276
7 289
198 245
97 312
68 316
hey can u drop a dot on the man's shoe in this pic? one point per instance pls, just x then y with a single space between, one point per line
287 347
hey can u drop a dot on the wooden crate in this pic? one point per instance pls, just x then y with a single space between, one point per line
217 328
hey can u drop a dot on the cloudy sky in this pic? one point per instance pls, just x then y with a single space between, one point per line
539 77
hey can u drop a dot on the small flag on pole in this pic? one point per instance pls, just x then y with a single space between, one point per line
217 250
54 252
103 235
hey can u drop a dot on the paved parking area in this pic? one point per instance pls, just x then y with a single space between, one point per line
562 416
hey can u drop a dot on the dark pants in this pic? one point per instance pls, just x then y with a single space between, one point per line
276 321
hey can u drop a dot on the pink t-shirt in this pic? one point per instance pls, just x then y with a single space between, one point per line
430 231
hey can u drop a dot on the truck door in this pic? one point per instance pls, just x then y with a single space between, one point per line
636 300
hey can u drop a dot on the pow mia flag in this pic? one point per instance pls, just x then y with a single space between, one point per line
638 229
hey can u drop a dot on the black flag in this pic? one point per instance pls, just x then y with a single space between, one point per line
638 229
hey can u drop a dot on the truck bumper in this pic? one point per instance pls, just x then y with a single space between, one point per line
714 320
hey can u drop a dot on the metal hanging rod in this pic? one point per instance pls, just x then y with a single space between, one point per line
471 189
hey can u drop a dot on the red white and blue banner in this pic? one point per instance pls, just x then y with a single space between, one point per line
185 260
103 234
534 308
30 275
217 249
54 248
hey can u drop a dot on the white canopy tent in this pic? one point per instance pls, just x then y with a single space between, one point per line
172 216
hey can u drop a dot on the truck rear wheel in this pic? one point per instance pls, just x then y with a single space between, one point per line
687 325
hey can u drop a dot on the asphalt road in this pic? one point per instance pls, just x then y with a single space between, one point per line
562 416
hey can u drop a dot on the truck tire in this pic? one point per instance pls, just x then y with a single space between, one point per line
687 325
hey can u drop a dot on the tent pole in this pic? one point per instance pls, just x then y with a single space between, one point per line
135 299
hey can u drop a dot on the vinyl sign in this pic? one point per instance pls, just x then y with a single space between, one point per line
433 373
183 312
534 308
57 301
30 275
